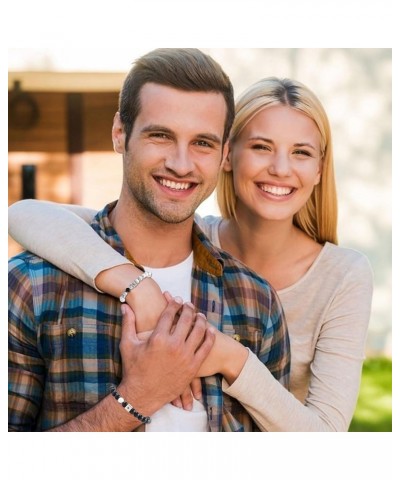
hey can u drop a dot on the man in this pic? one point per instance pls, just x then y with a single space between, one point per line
175 113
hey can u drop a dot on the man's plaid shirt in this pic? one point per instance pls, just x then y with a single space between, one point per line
64 335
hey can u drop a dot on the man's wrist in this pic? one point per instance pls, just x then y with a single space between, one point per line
143 402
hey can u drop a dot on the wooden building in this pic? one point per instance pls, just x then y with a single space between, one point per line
59 138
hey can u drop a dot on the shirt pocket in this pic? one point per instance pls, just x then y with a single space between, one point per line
248 335
82 358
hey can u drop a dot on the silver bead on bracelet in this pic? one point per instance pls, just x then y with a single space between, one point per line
133 285
128 407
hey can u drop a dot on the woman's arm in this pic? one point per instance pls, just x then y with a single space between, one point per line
335 369
45 229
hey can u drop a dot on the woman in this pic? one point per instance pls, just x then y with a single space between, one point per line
277 196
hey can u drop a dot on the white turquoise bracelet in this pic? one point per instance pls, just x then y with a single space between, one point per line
133 285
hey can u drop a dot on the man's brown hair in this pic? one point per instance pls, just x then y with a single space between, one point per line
186 69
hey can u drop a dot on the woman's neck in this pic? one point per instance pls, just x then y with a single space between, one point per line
277 250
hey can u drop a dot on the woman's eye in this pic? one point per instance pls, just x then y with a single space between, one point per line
302 152
260 146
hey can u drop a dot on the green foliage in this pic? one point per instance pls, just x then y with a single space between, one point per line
374 406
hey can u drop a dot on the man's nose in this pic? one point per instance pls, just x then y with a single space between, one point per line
180 161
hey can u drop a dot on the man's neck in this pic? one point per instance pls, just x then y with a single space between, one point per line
149 240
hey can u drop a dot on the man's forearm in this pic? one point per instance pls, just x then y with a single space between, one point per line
107 416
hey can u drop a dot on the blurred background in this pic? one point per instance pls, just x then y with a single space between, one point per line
61 106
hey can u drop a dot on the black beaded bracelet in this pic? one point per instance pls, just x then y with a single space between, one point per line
128 407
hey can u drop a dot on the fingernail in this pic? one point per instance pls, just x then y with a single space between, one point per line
178 299
189 304
197 396
211 330
123 309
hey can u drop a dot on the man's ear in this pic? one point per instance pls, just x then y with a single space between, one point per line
118 134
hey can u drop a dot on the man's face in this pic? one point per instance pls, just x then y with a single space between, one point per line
174 152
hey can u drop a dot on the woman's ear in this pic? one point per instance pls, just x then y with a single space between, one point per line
319 173
227 163
118 134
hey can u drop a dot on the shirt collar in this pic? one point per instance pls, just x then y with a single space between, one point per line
206 256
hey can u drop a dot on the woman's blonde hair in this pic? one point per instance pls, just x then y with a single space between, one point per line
318 217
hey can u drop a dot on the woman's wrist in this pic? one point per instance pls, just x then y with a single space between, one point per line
146 300
233 359
114 280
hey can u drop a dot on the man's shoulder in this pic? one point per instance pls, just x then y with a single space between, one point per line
238 272
234 270
27 263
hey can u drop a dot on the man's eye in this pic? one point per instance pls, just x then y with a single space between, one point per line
203 143
158 135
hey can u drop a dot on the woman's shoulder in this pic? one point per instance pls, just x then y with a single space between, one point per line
345 254
345 259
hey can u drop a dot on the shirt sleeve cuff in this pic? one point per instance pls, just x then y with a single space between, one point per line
245 379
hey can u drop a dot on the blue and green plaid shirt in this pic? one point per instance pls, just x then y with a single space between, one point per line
64 335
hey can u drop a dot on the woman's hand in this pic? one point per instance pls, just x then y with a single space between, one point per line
227 357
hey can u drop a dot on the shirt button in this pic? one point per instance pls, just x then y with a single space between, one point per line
71 332
236 337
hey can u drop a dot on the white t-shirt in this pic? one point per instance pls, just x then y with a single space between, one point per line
177 280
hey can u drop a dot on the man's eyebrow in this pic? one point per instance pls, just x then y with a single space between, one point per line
156 128
211 137
202 136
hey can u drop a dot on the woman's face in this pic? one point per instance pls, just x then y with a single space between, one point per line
276 163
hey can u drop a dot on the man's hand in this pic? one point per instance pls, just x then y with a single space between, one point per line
157 370
185 400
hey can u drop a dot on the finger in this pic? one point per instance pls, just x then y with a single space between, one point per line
205 347
167 317
196 336
187 399
128 329
168 296
195 386
177 402
185 321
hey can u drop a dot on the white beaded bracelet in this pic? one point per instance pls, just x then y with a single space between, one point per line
133 285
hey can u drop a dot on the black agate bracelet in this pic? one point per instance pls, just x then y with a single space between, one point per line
128 407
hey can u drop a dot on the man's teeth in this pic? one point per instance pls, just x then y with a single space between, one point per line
280 191
174 185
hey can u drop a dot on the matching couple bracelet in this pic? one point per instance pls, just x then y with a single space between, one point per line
128 407
133 285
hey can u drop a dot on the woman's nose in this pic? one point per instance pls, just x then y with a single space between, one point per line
280 165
